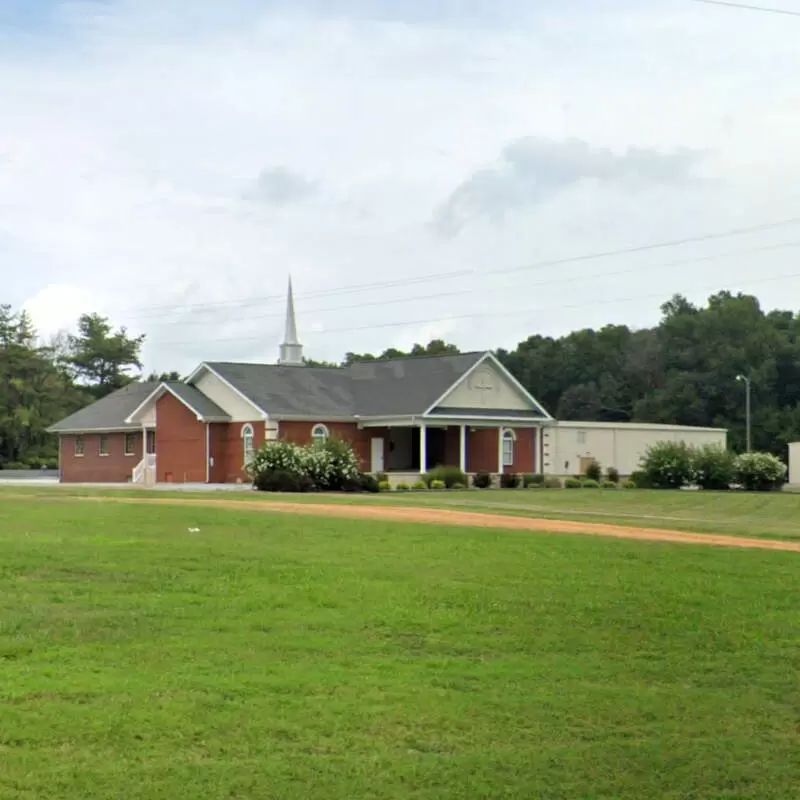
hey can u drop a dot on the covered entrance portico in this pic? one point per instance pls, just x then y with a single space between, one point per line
414 445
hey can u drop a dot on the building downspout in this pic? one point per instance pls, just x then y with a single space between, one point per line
208 452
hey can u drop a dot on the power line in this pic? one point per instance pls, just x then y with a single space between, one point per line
452 274
484 290
748 7
490 314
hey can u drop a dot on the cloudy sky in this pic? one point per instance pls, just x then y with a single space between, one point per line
420 168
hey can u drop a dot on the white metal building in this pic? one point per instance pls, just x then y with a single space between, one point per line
794 464
568 447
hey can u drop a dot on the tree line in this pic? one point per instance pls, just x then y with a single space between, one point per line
43 383
681 371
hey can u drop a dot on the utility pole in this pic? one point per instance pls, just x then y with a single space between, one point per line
744 379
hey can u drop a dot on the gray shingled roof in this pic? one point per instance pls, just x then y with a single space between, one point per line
397 387
368 389
109 413
196 400
292 391
406 385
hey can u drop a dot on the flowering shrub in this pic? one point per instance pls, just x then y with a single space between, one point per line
759 472
669 465
329 466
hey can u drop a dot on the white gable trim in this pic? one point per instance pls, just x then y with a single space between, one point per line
496 361
458 381
207 368
157 394
491 357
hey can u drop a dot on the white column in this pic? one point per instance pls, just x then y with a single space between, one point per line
500 451
423 450
462 454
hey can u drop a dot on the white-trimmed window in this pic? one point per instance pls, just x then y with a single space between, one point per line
509 440
249 439
130 443
319 434
581 437
103 446
80 447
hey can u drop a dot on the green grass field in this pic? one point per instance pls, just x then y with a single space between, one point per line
771 515
296 657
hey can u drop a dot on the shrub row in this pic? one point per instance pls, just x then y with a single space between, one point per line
675 465
30 463
590 483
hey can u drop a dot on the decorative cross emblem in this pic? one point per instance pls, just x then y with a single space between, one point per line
483 387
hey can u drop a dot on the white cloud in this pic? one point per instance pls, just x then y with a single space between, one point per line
132 143
57 306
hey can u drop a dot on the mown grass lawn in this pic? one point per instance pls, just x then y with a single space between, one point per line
294 657
774 515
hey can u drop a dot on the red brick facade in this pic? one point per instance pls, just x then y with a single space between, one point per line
184 444
227 450
180 443
91 466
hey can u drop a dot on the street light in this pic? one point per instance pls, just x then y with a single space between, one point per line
744 379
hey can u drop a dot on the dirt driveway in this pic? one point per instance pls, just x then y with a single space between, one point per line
439 516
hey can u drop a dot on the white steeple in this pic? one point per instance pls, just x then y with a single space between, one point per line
291 349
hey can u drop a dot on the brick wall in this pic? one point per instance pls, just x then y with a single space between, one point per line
180 443
91 467
300 433
524 451
232 443
483 451
219 452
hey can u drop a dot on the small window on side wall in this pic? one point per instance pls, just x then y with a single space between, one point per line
80 446
102 448
581 437
509 439
319 434
130 444
248 437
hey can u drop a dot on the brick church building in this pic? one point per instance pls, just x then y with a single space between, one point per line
402 416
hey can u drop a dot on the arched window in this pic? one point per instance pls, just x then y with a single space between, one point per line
319 433
509 440
248 435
